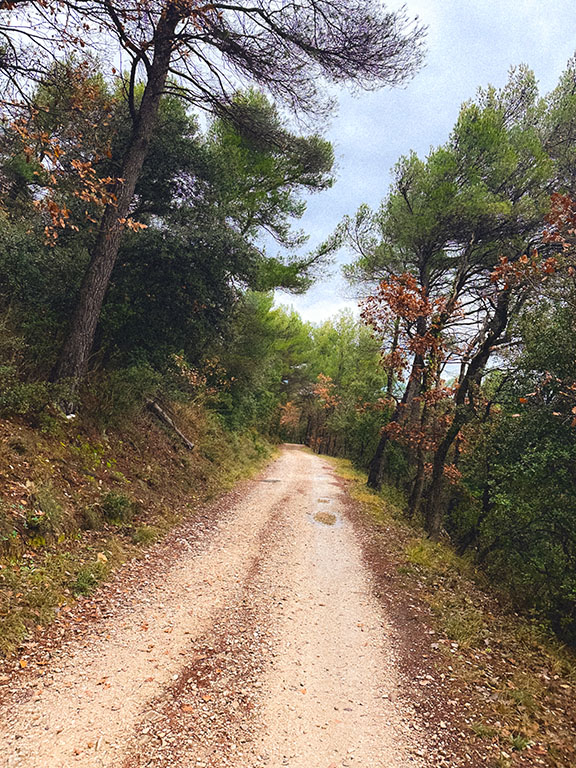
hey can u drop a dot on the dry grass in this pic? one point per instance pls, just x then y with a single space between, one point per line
75 503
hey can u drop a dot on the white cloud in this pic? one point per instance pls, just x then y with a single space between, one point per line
318 310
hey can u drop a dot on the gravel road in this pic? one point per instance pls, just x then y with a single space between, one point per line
257 642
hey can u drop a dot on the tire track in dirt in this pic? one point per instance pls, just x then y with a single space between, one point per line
208 717
83 711
265 648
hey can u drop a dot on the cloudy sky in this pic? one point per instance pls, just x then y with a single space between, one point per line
470 43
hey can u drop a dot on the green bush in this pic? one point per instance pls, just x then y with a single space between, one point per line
44 515
88 578
23 398
117 508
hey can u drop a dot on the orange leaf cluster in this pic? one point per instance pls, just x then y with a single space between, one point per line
561 221
290 415
399 296
59 173
410 435
324 391
450 472
64 140
508 274
401 299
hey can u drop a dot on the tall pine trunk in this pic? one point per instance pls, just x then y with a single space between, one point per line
434 513
377 465
75 353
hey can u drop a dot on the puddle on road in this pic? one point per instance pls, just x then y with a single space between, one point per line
326 518
270 481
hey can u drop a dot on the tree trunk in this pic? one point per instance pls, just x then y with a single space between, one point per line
377 463
434 507
434 515
376 468
417 486
308 433
75 353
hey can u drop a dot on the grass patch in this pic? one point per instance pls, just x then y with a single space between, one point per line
44 513
436 558
519 742
145 535
90 518
462 623
88 578
482 730
382 507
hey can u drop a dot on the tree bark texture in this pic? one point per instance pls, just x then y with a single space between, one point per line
75 353
434 513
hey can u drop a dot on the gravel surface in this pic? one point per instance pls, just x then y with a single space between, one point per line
259 644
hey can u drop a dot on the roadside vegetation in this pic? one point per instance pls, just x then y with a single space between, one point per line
78 501
514 681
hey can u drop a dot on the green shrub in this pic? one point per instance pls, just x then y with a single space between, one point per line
44 515
88 578
12 632
117 508
20 397
145 535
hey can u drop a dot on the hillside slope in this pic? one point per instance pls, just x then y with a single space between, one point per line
77 500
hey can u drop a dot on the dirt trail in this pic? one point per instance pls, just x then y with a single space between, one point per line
261 646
